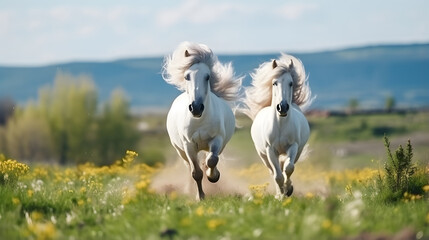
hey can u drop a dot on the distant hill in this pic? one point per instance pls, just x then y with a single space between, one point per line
368 74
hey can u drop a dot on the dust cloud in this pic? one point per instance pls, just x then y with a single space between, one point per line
235 179
176 177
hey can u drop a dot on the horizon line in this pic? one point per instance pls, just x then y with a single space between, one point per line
249 53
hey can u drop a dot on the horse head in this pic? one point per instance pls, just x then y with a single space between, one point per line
197 86
282 90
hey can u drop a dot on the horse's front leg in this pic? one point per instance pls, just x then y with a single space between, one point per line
273 159
182 154
289 167
212 159
196 172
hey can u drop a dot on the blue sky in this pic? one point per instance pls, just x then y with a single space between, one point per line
43 32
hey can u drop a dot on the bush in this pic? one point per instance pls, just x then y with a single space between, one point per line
402 177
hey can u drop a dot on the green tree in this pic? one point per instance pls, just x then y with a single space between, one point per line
7 106
116 130
390 104
64 125
353 105
3 142
28 135
70 109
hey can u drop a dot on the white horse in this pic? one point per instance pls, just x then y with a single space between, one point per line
279 90
200 118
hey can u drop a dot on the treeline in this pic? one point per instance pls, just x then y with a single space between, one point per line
67 125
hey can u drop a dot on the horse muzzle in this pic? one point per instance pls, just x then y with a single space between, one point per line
196 109
282 108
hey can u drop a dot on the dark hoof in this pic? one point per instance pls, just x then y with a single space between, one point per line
212 161
289 191
214 179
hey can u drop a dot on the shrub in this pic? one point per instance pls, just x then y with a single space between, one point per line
399 167
402 176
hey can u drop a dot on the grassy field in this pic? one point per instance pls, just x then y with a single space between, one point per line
333 199
330 139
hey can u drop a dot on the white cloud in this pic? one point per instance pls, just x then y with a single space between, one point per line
195 12
86 30
60 13
5 21
293 11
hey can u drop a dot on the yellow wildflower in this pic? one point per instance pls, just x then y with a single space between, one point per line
258 190
11 170
210 210
287 201
30 193
336 229
80 202
199 211
172 195
309 195
212 224
127 199
39 172
185 222
426 188
257 201
142 184
349 189
326 224
36 215
43 230
16 201
129 158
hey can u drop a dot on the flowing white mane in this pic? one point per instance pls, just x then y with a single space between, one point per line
259 94
223 83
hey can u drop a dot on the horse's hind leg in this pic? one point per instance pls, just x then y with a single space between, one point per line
212 159
289 167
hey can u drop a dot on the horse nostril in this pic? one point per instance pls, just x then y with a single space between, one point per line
287 107
191 108
279 108
202 107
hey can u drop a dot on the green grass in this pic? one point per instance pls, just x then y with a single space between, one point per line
110 203
365 127
116 202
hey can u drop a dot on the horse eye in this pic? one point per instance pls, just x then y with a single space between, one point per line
187 77
290 84
275 84
207 77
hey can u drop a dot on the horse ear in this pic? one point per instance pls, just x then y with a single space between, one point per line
291 64
187 54
274 63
